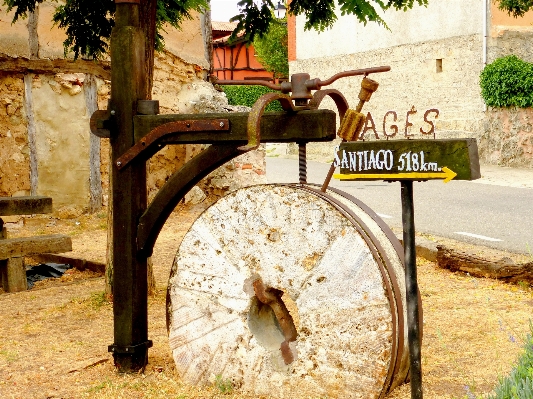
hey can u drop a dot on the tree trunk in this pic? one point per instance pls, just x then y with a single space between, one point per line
207 33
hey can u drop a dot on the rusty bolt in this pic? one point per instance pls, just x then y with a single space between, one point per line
119 164
112 112
221 124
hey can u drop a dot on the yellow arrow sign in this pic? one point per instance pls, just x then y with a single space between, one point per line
447 174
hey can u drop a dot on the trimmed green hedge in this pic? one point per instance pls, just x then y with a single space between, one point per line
519 383
507 82
248 95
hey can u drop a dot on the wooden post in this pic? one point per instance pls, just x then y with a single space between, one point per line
130 304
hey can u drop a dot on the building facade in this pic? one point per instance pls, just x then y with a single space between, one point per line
436 54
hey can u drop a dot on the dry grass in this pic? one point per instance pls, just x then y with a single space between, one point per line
54 338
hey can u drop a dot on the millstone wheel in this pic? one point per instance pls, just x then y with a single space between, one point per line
292 293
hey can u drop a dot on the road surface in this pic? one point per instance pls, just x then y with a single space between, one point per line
497 216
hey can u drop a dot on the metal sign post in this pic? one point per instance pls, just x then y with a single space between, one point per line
411 288
406 161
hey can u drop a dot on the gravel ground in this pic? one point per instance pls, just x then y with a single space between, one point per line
54 338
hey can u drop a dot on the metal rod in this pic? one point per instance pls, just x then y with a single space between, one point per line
411 287
302 163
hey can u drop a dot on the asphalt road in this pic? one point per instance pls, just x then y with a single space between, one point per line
496 216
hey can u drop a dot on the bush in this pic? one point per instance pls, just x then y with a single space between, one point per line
248 95
519 383
507 82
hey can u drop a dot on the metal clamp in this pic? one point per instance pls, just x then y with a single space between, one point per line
130 349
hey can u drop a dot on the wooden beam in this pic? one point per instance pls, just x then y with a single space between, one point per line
276 127
10 206
46 66
130 284
13 275
25 246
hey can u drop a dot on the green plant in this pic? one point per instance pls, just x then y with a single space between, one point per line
248 95
519 383
507 82
272 49
225 386
97 300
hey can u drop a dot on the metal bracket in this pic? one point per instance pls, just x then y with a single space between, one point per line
102 123
130 349
258 109
159 132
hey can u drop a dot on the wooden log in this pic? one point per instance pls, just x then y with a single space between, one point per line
342 281
25 246
29 205
47 66
503 269
13 274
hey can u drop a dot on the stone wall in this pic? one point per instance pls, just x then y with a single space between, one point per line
507 137
436 55
415 83
45 144
14 146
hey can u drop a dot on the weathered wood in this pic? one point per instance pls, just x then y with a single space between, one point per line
278 127
101 69
25 246
330 267
411 159
130 286
13 275
30 205
454 260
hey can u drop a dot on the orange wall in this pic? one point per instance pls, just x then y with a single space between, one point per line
222 60
291 31
499 17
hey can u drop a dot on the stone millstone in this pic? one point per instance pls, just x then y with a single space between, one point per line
350 338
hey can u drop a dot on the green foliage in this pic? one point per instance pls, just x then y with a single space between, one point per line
507 82
225 386
88 23
519 383
516 8
272 49
172 12
248 95
319 15
22 7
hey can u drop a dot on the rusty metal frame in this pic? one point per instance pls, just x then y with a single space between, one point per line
257 111
146 144
392 289
157 213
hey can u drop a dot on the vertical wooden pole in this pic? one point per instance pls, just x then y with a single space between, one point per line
130 299
411 286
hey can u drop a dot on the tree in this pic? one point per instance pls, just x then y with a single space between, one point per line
88 24
272 51
319 15
516 8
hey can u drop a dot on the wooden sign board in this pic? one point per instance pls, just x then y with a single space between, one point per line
445 159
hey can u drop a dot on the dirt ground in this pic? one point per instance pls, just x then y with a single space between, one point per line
54 338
